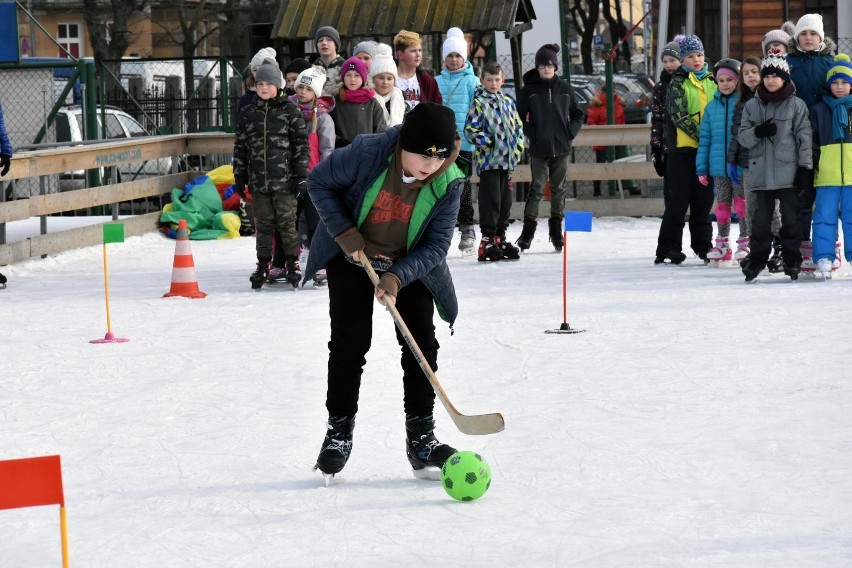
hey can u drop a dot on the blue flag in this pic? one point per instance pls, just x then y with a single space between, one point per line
578 221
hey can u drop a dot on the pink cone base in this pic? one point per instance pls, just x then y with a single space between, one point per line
110 338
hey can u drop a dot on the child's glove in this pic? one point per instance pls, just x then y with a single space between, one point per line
659 163
704 180
351 241
5 163
389 284
734 173
804 182
765 129
299 187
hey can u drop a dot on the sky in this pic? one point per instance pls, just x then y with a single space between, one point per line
697 420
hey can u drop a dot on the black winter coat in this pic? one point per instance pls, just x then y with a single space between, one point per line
550 115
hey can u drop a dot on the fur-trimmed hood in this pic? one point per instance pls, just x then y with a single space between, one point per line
828 47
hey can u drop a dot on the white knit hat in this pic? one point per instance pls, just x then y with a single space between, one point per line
774 36
266 52
314 78
383 61
455 43
811 22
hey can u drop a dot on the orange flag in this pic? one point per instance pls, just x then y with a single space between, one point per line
31 482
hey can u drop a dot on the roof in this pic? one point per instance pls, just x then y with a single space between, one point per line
299 19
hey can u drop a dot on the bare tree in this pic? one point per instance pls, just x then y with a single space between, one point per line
585 15
110 39
617 29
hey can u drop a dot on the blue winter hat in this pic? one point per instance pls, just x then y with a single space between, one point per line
690 44
840 69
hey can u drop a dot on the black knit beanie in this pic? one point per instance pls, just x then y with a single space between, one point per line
429 129
297 66
546 55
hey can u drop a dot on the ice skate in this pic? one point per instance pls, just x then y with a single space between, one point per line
527 233
742 249
425 453
467 244
825 268
775 264
294 271
554 229
336 446
489 249
670 257
276 274
260 275
721 254
510 251
751 269
808 267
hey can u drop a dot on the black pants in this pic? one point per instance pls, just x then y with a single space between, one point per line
806 212
305 230
495 201
685 193
761 226
465 216
351 302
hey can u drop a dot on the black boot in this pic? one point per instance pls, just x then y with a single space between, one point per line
425 453
294 271
527 233
337 444
751 268
510 251
260 274
554 226
775 263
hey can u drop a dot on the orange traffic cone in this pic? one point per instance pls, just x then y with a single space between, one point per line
184 282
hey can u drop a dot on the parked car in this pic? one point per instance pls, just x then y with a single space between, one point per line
634 92
119 125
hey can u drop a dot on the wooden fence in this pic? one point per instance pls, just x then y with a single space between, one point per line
114 153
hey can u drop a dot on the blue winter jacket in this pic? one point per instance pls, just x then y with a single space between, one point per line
715 135
457 89
5 144
338 186
808 70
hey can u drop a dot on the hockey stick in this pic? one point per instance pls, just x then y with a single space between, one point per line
472 425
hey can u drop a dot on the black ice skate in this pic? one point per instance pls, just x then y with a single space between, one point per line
294 271
336 446
670 257
554 226
260 275
527 234
425 453
775 264
751 268
510 251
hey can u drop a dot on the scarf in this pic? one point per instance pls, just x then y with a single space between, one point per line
700 74
840 109
782 94
394 106
357 95
324 105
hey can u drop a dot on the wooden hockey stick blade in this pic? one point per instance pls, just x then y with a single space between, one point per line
475 425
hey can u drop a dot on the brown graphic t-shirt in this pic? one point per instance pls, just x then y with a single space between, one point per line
385 229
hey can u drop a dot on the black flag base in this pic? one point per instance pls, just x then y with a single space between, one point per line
565 328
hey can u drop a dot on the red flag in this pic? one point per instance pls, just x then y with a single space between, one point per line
31 482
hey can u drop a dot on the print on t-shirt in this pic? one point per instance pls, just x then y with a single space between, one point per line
410 92
389 208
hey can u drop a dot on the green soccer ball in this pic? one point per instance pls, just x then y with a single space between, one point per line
465 476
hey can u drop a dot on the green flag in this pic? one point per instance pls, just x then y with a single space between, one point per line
114 233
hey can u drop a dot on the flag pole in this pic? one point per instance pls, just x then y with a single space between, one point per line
573 222
113 233
63 528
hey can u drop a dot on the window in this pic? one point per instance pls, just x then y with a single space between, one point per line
68 36
133 127
114 129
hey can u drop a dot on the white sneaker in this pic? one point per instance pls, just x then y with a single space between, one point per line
824 266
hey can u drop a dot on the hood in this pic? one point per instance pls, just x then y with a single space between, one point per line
466 70
828 47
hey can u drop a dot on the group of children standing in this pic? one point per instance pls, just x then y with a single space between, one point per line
769 139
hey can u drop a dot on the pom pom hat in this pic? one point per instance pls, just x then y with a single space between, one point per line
812 22
773 36
840 69
775 65
383 61
368 47
689 45
265 53
429 129
546 55
455 43
269 72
